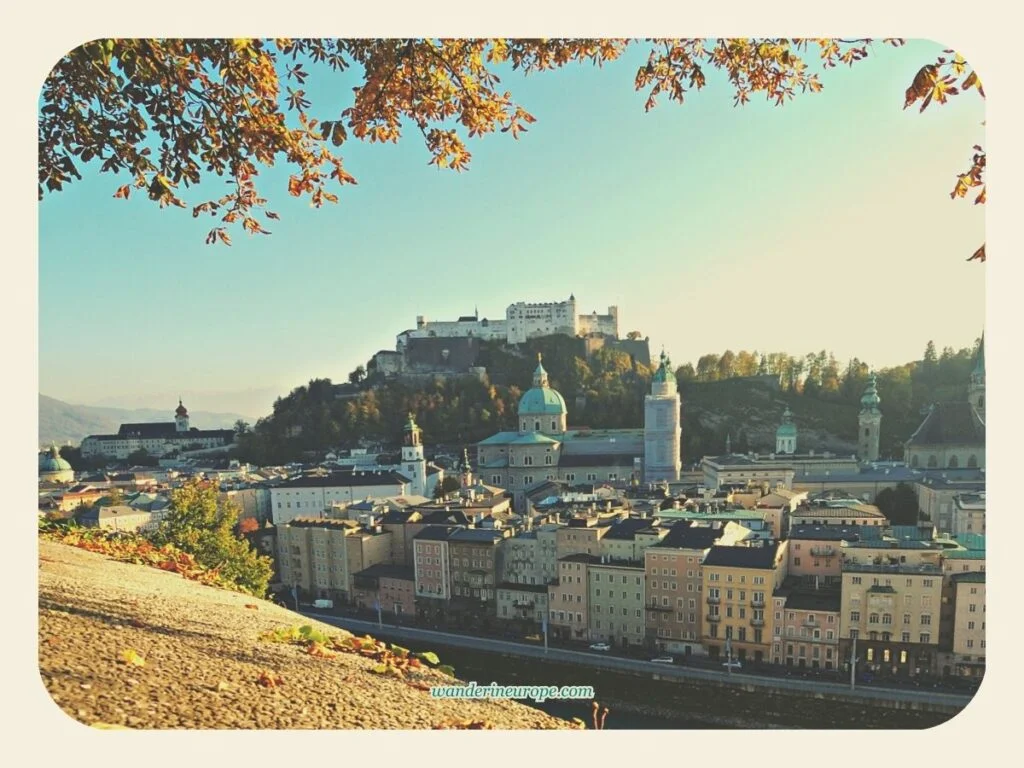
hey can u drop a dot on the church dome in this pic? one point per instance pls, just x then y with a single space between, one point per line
52 466
787 428
541 400
181 410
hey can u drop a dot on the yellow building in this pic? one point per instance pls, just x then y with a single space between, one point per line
893 611
738 584
320 556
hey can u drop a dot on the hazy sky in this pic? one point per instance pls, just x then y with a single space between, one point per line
823 224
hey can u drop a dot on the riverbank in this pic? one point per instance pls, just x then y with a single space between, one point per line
643 701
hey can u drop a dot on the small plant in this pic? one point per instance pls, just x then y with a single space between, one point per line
598 715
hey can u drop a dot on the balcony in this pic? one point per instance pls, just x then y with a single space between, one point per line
713 617
713 600
757 622
655 607
811 623
823 551
757 602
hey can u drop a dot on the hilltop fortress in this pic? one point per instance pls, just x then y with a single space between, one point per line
451 347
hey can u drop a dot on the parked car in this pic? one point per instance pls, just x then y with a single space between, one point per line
600 647
733 664
663 660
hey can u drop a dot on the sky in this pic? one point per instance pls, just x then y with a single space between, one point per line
822 224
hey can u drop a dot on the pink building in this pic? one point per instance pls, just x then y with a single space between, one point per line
431 563
815 552
807 628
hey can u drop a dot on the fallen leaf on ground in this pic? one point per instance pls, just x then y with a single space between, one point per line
131 656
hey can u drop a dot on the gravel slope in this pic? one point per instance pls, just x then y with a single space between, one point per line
203 659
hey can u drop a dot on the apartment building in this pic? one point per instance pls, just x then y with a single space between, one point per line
391 586
432 570
738 584
568 597
524 603
815 552
616 602
321 556
672 570
968 514
582 535
936 495
531 557
475 564
969 625
892 610
806 627
314 494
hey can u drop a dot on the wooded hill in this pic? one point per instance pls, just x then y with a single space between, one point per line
741 395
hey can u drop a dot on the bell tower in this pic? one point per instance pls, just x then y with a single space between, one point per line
869 422
181 417
663 431
414 463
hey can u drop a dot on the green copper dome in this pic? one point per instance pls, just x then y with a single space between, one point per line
541 400
52 461
787 428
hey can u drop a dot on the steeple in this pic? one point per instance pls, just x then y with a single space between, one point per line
869 422
870 400
728 443
540 376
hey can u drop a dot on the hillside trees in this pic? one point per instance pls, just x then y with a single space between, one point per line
171 113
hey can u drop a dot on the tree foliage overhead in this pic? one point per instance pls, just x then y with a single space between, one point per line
172 112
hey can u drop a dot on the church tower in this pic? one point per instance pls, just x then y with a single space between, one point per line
869 422
785 435
976 387
413 461
180 418
466 478
662 426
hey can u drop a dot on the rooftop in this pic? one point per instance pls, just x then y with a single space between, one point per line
742 557
950 423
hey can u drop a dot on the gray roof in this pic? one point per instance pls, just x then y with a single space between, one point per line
742 557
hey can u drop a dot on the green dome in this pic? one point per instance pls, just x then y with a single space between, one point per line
52 461
787 428
542 401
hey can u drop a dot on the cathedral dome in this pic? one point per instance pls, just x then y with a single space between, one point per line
541 400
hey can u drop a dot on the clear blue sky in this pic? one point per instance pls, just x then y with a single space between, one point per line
823 224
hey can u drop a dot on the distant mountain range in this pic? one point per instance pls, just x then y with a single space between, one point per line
61 422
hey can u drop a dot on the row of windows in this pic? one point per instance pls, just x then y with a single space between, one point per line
715 576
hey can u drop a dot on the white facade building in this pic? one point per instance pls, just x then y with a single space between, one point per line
315 495
522 321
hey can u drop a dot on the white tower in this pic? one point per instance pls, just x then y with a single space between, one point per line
869 422
181 418
663 431
413 461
